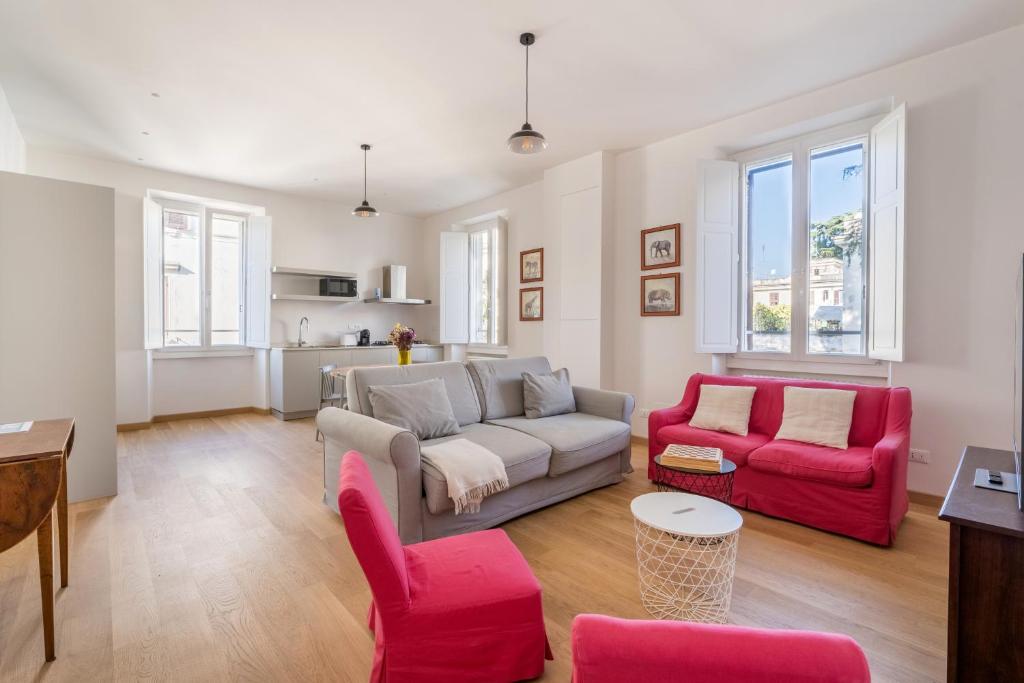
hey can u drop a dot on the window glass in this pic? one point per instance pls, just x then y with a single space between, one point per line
481 293
835 251
225 280
182 279
769 250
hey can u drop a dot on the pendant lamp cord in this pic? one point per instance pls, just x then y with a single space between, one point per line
364 176
526 114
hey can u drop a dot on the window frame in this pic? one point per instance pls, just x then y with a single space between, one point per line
495 345
206 213
799 150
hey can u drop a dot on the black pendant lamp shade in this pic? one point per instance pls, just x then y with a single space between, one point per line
526 140
364 210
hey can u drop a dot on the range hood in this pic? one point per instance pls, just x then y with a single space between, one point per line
393 291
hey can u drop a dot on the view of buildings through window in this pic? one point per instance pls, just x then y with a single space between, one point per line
835 272
192 262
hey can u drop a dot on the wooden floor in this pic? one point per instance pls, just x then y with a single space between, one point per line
218 561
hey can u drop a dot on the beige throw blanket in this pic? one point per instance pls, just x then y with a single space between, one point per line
471 471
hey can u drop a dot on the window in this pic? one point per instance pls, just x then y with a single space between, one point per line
484 294
472 272
198 251
803 236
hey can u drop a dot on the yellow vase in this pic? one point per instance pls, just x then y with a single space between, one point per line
404 356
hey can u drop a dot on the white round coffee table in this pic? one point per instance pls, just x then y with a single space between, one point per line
686 555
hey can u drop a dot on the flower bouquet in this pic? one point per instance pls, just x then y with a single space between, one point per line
402 337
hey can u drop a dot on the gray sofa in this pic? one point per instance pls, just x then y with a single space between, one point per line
547 459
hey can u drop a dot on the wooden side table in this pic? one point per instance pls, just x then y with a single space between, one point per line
33 479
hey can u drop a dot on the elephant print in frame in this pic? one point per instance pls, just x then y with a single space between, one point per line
531 265
659 247
659 294
531 304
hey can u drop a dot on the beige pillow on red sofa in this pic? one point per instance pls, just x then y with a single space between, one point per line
723 408
819 416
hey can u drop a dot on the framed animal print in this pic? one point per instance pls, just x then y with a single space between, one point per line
531 265
659 294
659 247
531 304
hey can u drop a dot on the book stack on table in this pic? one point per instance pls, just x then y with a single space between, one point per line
693 458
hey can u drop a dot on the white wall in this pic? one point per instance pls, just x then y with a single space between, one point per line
307 233
12 146
964 242
57 318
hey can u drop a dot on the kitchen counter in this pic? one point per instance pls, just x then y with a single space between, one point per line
336 347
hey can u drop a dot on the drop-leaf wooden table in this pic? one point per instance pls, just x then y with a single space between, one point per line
33 478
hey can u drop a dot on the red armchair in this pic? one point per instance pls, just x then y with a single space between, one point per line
609 650
859 492
464 608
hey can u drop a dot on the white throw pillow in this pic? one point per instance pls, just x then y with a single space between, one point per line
819 416
723 408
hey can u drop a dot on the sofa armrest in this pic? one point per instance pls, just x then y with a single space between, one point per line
391 453
607 650
613 405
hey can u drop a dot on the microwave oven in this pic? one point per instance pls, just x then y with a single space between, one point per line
337 286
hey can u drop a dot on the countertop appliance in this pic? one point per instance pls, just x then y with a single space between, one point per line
350 339
364 338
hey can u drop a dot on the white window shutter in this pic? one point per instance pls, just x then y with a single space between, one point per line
454 288
717 279
257 282
153 273
887 183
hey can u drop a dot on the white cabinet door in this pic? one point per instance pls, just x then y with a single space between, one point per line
427 354
341 358
301 381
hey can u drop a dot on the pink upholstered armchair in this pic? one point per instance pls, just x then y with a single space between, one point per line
459 609
609 650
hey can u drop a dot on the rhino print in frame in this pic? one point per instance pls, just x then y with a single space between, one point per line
659 294
659 247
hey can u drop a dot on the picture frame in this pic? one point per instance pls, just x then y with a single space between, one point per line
659 294
660 247
531 304
531 265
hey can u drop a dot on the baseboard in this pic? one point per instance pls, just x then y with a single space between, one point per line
928 499
638 440
133 426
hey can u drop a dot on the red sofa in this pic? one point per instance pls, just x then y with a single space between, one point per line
608 650
859 492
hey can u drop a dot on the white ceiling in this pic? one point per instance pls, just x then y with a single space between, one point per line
275 94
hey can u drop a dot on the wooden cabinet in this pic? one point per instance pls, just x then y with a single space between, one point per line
986 581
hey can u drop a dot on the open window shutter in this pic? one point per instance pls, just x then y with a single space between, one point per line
886 238
454 288
153 273
717 256
257 282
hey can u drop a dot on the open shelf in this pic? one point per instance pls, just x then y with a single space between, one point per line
311 272
408 302
314 297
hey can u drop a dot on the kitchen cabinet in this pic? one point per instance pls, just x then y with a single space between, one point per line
295 372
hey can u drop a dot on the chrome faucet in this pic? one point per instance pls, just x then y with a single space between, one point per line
304 320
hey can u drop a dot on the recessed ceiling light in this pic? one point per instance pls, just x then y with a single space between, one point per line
141 159
154 94
145 132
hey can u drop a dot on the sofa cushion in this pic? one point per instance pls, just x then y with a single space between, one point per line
457 385
421 407
817 416
841 467
734 447
576 439
499 383
724 409
525 458
547 394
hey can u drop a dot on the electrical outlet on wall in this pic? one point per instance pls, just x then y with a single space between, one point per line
920 455
645 412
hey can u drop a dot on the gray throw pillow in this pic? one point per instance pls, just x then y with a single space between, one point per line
421 407
548 394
